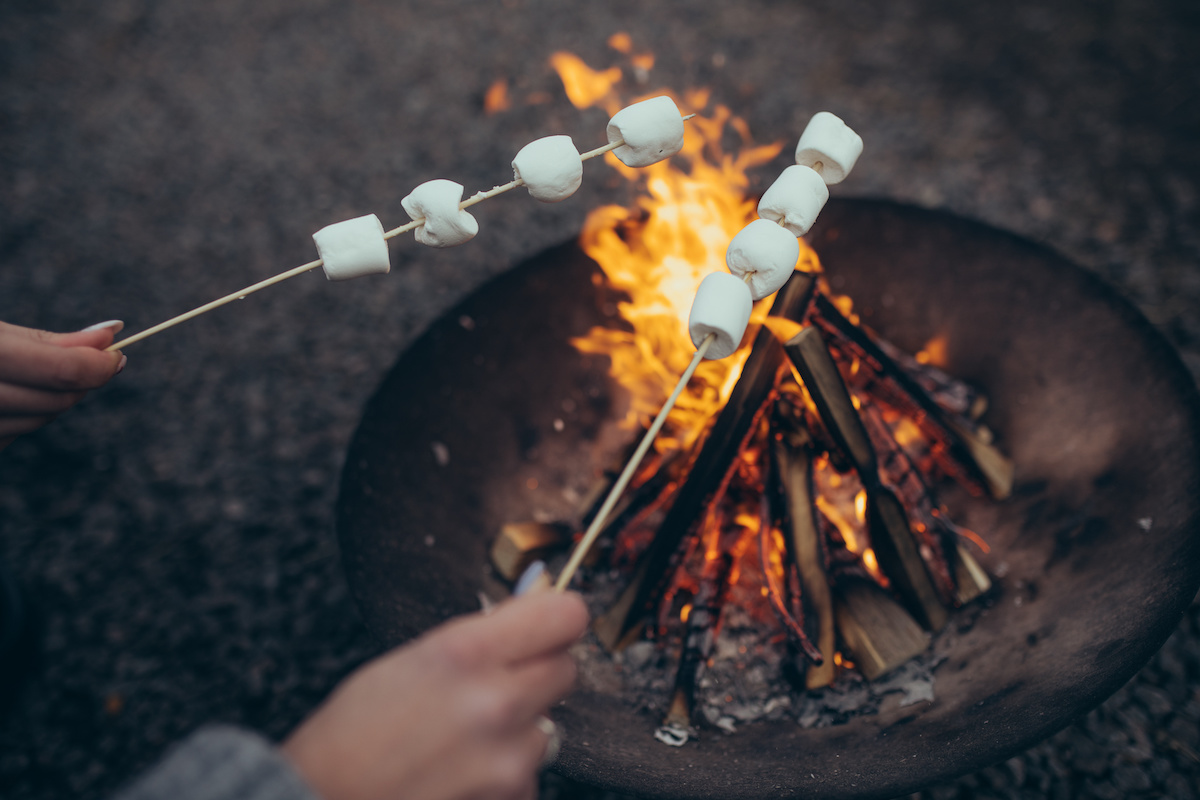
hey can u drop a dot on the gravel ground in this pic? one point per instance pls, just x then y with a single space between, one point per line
175 530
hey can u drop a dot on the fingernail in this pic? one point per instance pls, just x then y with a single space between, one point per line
116 324
529 578
121 364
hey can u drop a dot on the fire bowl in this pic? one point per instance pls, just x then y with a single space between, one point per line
492 417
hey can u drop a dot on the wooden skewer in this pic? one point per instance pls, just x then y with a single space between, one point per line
593 531
478 197
614 494
229 298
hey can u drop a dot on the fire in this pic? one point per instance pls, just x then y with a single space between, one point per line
934 352
496 99
584 86
659 252
656 254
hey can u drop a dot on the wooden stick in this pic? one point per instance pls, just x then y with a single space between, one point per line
794 465
891 535
593 531
699 641
478 197
229 298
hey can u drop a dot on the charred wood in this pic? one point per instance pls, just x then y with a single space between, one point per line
891 536
936 535
898 389
699 641
793 464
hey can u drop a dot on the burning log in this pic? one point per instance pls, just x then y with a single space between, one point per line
709 469
793 464
521 543
955 397
699 641
891 536
968 456
792 619
878 633
935 534
652 487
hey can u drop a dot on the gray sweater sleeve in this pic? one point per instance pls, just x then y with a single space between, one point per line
221 763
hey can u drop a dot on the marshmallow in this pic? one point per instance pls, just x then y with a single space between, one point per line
445 223
794 199
829 142
652 130
353 248
767 253
550 167
722 306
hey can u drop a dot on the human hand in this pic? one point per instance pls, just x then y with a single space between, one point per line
453 715
43 374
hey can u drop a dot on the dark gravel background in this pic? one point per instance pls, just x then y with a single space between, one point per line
175 530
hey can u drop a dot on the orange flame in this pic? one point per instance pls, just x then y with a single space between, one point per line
934 352
584 86
659 252
621 42
496 99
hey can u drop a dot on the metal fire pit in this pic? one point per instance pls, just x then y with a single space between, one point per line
1098 549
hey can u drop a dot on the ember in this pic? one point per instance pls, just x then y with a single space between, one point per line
790 495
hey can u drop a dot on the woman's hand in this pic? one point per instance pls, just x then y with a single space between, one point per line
454 714
43 374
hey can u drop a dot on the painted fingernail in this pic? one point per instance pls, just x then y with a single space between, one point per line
553 740
116 324
121 364
529 578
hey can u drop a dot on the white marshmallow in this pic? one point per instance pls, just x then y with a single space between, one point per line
652 130
829 142
445 223
353 248
795 199
550 167
767 253
722 306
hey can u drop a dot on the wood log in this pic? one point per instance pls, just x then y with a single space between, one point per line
972 580
898 389
935 533
879 635
955 397
709 470
996 467
699 641
521 543
891 537
793 464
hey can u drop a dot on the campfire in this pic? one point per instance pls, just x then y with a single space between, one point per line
492 419
792 484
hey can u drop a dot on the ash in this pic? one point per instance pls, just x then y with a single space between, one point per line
752 676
